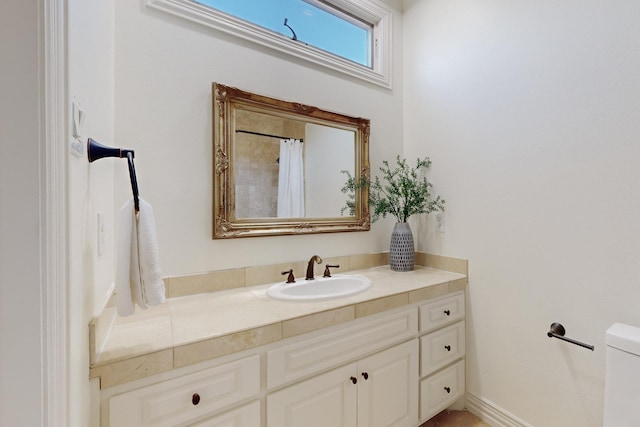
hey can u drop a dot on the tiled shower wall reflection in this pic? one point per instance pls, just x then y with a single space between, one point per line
256 162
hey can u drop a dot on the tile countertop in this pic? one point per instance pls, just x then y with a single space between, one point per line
195 328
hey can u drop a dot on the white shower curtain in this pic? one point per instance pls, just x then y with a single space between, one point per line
291 180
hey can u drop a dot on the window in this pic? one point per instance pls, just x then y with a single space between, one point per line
352 36
322 26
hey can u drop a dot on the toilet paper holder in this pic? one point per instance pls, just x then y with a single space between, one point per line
556 330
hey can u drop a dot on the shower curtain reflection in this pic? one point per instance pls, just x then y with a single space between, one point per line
291 180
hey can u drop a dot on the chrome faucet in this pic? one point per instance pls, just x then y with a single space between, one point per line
313 259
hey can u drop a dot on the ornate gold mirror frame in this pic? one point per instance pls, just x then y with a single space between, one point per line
229 104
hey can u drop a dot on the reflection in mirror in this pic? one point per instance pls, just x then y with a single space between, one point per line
278 166
256 151
328 152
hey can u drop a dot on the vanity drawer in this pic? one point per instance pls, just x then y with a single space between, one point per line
441 390
441 312
245 416
187 398
309 356
441 347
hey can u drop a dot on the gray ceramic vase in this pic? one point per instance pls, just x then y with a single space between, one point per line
401 250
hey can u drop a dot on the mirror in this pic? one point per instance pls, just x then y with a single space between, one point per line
278 167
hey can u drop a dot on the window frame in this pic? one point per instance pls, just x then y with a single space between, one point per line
376 14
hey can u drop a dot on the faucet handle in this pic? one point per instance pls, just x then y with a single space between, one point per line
290 278
327 273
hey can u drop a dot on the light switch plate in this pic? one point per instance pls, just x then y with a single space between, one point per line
78 119
77 128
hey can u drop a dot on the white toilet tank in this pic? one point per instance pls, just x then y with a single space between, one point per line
622 377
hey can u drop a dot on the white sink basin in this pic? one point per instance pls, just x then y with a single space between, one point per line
319 288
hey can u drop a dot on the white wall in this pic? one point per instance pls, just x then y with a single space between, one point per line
164 70
90 56
21 370
530 113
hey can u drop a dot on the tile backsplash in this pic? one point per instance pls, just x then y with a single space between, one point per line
190 284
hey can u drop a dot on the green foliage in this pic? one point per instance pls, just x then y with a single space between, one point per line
400 192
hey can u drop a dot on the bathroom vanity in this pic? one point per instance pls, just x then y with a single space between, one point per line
392 355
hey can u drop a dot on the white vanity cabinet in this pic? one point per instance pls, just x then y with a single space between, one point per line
442 351
397 368
377 391
187 399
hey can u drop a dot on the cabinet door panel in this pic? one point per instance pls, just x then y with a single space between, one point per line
326 400
388 397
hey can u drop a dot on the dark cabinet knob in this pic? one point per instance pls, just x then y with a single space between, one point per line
365 375
195 399
447 389
354 380
448 347
447 312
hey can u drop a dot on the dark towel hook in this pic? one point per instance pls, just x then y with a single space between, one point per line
96 151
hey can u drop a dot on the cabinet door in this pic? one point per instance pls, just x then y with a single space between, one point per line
388 387
326 400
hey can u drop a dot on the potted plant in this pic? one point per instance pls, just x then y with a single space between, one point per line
401 192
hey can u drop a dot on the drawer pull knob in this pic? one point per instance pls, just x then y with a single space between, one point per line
195 399
447 389
365 375
448 347
447 312
354 380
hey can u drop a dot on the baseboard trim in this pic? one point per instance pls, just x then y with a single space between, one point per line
491 413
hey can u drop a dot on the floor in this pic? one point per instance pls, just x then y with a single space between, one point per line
455 419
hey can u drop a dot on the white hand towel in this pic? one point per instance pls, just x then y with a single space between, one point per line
152 285
126 231
138 277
